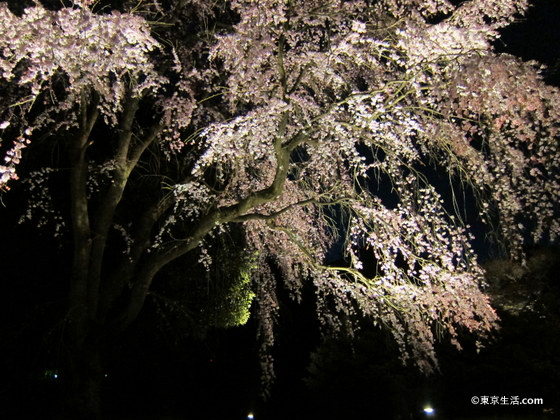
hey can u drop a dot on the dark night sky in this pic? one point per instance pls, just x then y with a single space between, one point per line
537 35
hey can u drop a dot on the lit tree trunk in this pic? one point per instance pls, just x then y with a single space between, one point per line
91 296
81 370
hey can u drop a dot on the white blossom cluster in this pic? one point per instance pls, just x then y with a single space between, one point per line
191 198
11 159
423 259
126 237
389 81
99 175
434 45
177 115
191 201
516 166
93 52
415 9
492 13
243 150
40 205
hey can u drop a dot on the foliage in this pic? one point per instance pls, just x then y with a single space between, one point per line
181 119
191 299
518 288
232 303
238 298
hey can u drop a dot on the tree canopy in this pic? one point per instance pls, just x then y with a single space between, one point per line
306 125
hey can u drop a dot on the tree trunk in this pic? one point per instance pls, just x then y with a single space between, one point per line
83 376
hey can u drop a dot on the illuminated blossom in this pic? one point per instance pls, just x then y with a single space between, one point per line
299 112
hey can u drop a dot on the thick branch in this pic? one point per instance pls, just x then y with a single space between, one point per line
126 160
125 130
106 209
136 152
155 262
274 215
271 216
276 188
115 284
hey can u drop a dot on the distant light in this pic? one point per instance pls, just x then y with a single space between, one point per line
250 416
429 411
55 376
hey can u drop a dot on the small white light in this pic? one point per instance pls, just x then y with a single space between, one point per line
55 376
250 416
429 411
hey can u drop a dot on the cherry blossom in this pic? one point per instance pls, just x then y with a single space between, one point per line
305 124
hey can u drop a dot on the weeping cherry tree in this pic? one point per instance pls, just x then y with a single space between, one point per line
304 125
